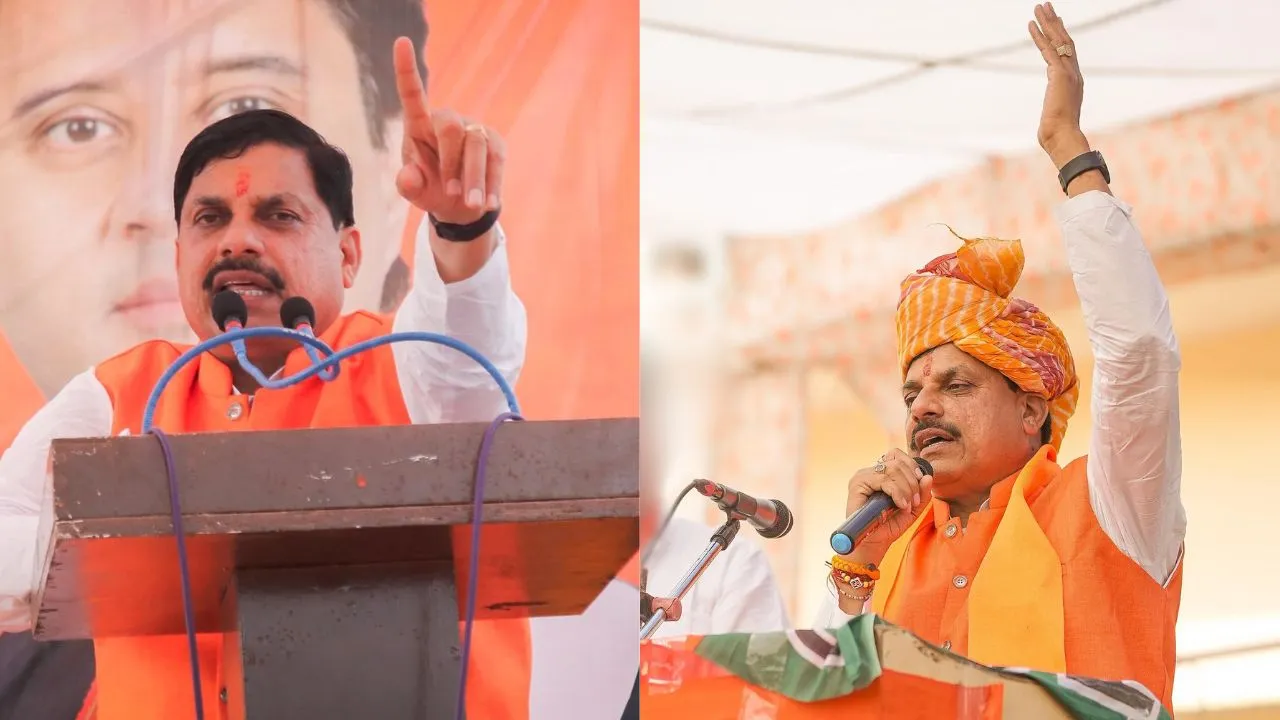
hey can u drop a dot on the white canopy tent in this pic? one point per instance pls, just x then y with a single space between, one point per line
761 116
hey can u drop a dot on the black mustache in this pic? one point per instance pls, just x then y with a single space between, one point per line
928 424
246 264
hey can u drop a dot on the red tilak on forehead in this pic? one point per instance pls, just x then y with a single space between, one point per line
242 183
928 365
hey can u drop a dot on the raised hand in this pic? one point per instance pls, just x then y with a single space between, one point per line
1059 133
452 166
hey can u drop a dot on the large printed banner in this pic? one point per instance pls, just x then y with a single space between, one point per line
97 100
99 97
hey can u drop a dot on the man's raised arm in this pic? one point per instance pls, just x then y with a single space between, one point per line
452 169
1135 449
439 383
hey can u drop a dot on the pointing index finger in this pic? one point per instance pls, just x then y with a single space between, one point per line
413 100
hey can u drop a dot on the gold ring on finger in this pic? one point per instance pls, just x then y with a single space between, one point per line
878 468
1064 50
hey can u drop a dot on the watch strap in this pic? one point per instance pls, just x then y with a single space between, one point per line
1080 165
465 233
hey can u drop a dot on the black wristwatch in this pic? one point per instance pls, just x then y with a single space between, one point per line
468 232
1080 165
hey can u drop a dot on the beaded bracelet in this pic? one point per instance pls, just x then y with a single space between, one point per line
865 570
856 575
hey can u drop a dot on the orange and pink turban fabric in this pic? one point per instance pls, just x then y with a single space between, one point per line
963 298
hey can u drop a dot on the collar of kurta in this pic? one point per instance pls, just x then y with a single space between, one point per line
1000 492
274 376
214 376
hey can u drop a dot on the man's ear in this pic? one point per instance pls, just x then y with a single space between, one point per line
1034 411
349 246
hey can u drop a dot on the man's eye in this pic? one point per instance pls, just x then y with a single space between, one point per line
77 131
206 218
284 217
238 105
909 399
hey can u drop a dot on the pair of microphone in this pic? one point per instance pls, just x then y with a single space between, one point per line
296 313
229 309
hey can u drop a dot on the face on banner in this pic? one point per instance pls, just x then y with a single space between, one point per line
97 101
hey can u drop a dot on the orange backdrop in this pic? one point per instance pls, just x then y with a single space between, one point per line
560 80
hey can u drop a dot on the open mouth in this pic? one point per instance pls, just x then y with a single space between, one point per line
930 438
243 283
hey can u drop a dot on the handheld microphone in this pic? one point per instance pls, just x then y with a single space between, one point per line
229 309
877 509
770 518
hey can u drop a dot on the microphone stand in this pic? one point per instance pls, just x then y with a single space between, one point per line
720 540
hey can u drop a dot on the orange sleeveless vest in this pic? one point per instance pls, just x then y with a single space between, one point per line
1034 581
149 678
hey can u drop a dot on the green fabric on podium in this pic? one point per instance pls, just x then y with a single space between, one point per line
804 665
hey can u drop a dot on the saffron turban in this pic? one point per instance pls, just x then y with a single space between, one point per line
963 299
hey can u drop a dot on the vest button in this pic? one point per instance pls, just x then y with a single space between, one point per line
235 411
222 695
960 582
951 530
946 645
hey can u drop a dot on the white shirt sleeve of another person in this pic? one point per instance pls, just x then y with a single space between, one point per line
738 593
82 409
441 384
831 616
749 599
1135 450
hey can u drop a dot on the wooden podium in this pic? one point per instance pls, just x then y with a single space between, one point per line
335 561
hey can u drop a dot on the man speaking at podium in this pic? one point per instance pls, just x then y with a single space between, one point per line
1003 555
264 209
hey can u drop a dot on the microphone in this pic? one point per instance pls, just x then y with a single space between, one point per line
770 518
231 313
865 519
229 309
296 313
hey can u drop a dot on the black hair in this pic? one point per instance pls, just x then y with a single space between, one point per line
233 136
1046 430
372 26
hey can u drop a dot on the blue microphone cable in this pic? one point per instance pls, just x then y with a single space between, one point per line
230 312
